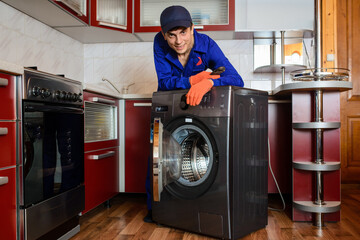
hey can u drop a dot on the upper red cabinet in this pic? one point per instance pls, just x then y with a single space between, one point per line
207 15
112 14
77 8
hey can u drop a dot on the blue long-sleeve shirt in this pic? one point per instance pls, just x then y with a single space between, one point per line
204 54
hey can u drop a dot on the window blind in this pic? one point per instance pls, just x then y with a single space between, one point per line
112 11
100 122
203 12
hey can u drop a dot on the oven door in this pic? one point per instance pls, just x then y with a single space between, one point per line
53 144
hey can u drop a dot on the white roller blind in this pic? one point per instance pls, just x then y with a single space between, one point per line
203 12
76 5
112 11
100 122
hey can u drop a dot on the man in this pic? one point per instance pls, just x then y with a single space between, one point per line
182 56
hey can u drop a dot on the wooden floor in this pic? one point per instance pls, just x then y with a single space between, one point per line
124 220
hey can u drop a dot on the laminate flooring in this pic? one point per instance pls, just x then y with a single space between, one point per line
124 220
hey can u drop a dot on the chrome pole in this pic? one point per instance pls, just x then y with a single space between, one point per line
318 98
282 57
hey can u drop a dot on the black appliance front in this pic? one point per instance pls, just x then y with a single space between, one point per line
222 188
53 151
52 170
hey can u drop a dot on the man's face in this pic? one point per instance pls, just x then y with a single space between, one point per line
180 39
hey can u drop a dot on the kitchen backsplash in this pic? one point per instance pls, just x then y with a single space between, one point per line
28 42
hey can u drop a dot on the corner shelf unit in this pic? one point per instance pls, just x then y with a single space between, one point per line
316 142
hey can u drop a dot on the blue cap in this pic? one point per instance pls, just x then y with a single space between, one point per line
175 16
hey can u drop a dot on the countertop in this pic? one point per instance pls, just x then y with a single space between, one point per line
91 88
11 68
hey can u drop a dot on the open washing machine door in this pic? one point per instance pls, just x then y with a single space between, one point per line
183 158
167 159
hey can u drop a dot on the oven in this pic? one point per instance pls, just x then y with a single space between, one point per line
52 170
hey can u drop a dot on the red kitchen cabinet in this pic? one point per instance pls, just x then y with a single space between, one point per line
8 203
101 162
8 141
79 9
280 140
112 14
137 144
8 96
206 15
101 176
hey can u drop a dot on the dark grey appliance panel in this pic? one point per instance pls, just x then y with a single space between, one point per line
249 171
53 212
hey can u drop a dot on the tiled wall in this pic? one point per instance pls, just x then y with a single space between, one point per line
28 42
126 63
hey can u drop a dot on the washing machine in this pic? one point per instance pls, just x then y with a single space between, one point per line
210 162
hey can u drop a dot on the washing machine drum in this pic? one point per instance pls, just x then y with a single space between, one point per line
187 148
197 154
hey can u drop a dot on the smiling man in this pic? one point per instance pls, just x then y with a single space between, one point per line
182 56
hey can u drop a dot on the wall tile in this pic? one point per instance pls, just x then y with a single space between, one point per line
93 50
88 70
103 68
236 46
261 85
113 50
9 41
138 49
11 18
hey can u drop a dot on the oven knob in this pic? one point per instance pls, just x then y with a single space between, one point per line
68 96
79 97
45 93
35 91
63 95
58 95
74 97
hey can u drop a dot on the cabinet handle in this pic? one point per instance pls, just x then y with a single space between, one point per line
3 131
101 156
112 25
142 104
3 82
102 100
4 180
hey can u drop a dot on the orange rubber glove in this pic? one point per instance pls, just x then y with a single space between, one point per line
197 91
201 76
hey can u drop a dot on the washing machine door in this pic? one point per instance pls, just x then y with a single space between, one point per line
167 159
187 146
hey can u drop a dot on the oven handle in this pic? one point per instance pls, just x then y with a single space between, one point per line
37 108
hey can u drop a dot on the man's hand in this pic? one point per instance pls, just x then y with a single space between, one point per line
201 76
197 91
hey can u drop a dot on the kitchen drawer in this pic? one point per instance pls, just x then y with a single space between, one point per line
7 144
101 176
8 203
7 97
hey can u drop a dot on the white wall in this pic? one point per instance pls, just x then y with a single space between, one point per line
28 42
